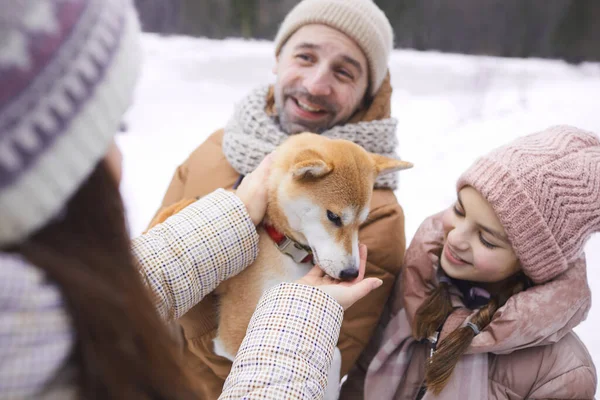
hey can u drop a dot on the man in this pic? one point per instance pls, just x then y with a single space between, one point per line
332 78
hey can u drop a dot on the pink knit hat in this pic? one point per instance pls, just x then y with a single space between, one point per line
545 189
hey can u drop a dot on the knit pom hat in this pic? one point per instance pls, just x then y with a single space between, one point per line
67 72
361 20
545 190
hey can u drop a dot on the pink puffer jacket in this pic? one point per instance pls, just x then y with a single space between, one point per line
532 350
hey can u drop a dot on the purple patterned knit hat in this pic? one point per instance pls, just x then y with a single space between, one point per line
545 190
67 73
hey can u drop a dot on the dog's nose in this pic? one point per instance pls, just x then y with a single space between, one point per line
348 274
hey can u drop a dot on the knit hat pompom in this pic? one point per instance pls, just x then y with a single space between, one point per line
67 73
545 190
361 20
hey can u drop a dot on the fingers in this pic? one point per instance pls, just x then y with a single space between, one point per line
253 190
258 178
360 290
362 266
264 167
346 296
362 251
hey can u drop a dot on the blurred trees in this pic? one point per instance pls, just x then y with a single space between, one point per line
512 28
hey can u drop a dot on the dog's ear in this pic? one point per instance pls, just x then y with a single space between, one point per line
385 165
310 164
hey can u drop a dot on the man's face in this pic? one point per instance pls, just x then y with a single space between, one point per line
322 78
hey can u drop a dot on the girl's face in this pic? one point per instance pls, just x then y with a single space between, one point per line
476 247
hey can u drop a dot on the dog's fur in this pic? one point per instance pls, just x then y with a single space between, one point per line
310 176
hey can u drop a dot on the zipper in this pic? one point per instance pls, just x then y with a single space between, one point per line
433 341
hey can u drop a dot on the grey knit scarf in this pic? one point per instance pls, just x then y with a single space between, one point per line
251 134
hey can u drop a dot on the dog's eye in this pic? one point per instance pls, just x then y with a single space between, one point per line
334 218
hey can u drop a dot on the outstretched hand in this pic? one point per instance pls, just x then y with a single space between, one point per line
345 293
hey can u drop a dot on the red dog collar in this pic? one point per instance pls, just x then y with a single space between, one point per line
298 252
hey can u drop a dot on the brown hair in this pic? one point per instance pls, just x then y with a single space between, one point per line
432 314
122 347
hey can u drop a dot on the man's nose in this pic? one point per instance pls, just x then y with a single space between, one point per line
317 83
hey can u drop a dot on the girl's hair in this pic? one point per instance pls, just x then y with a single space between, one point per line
432 314
122 347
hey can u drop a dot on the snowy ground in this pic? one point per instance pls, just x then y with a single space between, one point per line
451 109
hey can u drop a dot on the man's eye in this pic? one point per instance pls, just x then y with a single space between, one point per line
304 57
334 218
345 74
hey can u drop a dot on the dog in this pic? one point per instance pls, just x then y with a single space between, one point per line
319 192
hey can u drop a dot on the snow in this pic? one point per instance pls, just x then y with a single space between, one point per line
451 109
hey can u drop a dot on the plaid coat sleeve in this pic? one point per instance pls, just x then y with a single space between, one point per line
288 347
187 256
36 336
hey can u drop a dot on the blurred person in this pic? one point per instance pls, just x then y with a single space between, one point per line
82 309
493 286
331 67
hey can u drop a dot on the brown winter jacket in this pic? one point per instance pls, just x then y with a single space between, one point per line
532 350
207 169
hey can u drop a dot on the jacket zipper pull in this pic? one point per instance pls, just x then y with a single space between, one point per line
433 339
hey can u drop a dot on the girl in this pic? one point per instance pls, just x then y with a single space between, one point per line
76 320
492 287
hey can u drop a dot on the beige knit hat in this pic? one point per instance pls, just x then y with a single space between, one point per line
361 20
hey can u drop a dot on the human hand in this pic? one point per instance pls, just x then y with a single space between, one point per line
253 190
345 293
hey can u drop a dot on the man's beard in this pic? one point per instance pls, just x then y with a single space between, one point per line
296 126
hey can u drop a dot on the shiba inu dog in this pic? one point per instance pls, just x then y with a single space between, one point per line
319 194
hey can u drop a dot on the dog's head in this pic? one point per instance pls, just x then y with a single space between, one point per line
319 194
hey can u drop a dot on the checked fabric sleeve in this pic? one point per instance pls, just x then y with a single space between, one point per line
191 253
288 347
